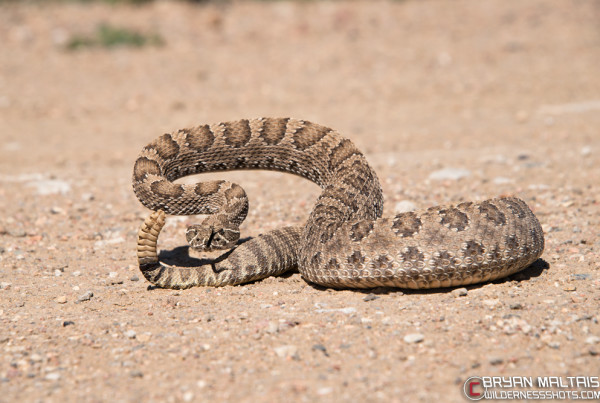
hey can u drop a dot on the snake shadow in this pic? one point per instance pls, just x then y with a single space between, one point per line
532 271
180 256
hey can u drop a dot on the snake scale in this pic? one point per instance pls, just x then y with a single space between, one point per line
345 243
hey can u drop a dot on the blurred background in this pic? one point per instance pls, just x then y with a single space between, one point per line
94 78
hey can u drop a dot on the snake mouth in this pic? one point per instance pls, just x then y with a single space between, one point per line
208 244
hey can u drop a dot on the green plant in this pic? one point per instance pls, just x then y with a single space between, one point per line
109 36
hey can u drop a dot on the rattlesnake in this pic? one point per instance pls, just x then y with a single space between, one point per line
345 242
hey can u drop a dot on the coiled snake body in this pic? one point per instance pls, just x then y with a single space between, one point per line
345 242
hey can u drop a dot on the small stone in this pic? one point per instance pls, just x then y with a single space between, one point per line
581 276
413 338
130 334
570 287
76 273
144 337
113 274
586 151
491 302
52 376
188 396
134 278
324 391
404 206
68 323
17 233
50 186
592 340
516 306
4 285
450 174
459 292
320 347
495 360
61 300
370 297
85 296
273 327
288 351
57 273
87 197
501 180
554 344
136 374
56 210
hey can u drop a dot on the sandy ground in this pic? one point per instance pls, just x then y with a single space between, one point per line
501 97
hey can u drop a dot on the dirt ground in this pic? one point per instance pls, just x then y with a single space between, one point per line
450 101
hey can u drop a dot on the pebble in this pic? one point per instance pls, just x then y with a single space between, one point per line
404 206
592 340
273 327
324 391
370 297
56 210
347 311
61 300
491 302
76 273
50 186
68 323
413 338
17 233
459 292
134 278
52 376
85 296
4 285
144 338
514 324
581 276
136 374
495 360
450 174
501 180
188 397
287 351
570 287
320 347
130 334
516 306
87 196
586 151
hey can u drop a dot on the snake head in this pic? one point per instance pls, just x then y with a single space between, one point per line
207 237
